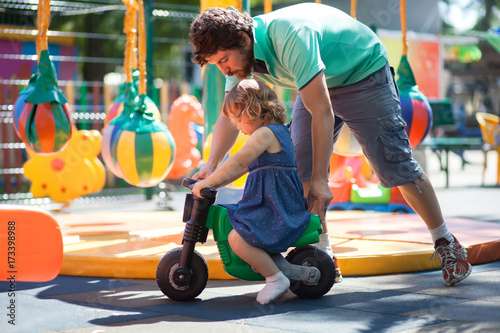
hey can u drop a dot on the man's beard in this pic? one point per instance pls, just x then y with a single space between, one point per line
249 61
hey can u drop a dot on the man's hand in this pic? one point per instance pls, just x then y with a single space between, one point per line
205 171
224 137
319 197
317 101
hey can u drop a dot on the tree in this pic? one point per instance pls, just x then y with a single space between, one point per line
485 9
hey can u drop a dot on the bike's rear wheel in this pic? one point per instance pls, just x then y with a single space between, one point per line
312 256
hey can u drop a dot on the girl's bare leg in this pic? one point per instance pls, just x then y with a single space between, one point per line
276 282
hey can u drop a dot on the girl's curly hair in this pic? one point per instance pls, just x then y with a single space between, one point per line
256 99
217 29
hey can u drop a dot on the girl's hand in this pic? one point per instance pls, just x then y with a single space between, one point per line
198 186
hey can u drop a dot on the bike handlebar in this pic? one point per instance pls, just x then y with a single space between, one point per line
189 183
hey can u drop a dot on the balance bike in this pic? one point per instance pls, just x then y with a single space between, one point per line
182 273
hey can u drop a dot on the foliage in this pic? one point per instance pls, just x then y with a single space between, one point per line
487 10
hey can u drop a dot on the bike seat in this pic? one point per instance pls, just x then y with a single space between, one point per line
218 221
311 234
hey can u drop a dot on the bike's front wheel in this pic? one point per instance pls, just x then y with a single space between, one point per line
167 276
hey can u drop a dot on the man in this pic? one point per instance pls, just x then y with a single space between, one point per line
341 70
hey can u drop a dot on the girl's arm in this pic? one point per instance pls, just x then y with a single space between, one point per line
236 164
233 178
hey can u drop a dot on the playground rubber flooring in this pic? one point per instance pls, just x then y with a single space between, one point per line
128 240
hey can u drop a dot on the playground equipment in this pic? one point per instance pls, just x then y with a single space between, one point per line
32 245
136 146
182 273
490 131
415 108
130 30
355 187
184 112
118 103
352 182
71 173
41 114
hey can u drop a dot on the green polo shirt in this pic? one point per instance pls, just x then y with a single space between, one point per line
298 42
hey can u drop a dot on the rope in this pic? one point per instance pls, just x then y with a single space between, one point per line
43 26
268 6
26 33
130 30
403 25
142 50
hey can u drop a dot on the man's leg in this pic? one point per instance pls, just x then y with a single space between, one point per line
300 130
371 109
422 199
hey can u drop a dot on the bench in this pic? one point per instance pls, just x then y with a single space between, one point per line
442 117
448 144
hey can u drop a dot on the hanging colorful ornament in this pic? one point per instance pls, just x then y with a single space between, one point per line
118 104
42 116
129 95
142 149
415 108
112 131
136 146
21 100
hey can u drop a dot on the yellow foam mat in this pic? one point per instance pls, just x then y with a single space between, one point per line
131 244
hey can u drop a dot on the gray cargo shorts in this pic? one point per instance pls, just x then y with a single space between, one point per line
372 110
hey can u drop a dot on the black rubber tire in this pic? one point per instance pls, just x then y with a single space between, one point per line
312 256
199 276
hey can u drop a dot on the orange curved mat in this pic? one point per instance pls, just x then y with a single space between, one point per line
31 246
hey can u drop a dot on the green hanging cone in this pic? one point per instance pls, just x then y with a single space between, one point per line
142 119
406 79
46 88
130 101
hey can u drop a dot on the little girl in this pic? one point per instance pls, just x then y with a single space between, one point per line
272 213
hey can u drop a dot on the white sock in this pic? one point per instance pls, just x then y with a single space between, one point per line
324 244
441 232
276 285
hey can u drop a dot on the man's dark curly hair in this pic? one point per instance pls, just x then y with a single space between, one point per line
217 29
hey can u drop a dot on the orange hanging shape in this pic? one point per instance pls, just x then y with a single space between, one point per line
185 111
42 116
415 108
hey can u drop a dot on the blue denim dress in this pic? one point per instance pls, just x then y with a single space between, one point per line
272 213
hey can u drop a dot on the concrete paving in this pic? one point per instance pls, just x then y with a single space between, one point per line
416 301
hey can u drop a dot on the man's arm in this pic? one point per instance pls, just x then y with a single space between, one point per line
224 137
317 101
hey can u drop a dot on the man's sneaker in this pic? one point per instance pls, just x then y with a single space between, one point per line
324 244
338 274
453 259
